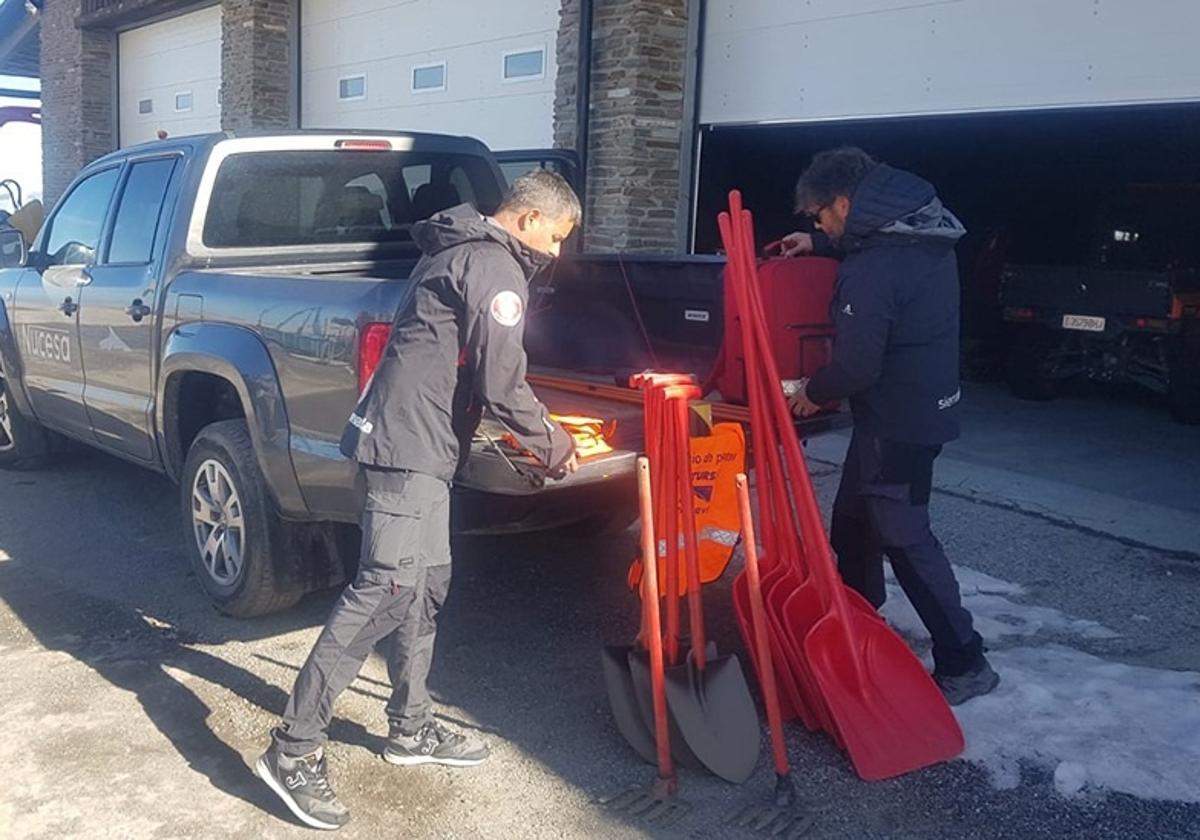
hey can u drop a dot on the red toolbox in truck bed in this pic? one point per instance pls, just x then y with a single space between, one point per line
796 294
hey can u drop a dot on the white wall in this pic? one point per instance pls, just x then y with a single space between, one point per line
385 38
160 60
782 60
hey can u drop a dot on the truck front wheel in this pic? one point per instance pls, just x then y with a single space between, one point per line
24 444
231 529
1026 367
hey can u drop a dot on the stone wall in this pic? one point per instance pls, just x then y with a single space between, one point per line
78 70
636 132
257 64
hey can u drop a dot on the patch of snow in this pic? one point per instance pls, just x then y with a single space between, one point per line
1096 723
1093 723
996 617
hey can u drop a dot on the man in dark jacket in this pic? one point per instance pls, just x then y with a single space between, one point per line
895 358
455 350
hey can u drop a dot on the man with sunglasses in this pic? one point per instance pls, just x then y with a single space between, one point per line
895 358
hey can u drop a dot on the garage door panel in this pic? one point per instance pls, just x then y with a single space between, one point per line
892 58
158 61
385 41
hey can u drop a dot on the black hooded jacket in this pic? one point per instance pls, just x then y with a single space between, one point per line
456 348
896 310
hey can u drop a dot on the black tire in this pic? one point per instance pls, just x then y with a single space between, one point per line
24 443
1025 366
1183 389
253 586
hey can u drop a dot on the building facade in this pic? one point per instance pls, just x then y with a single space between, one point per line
680 98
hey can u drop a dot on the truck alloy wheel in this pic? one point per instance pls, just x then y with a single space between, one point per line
236 539
6 425
217 522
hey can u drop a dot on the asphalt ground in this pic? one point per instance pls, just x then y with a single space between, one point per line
130 708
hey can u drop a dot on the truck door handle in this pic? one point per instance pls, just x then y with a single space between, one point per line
137 310
68 307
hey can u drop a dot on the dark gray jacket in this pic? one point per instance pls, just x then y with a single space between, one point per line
896 310
456 348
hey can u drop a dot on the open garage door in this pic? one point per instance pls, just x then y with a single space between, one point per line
170 77
783 61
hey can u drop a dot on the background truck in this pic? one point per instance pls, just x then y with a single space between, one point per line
210 307
1132 313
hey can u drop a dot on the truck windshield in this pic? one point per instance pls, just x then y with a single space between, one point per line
282 198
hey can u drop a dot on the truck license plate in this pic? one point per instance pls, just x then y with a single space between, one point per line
1087 323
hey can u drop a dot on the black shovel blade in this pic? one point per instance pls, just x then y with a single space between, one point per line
622 699
639 670
716 715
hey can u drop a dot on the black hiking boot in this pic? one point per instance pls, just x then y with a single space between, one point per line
303 785
434 743
977 682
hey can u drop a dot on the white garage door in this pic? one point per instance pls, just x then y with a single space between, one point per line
779 60
481 69
170 77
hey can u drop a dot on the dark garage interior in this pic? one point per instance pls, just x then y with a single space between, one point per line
1028 185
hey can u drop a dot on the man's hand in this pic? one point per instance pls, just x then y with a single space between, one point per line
796 244
571 465
800 404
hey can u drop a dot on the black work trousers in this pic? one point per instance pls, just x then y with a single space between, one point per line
402 581
882 507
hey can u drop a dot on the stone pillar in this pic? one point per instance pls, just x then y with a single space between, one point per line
258 64
637 124
78 70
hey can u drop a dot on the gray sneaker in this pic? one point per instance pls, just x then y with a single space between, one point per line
975 683
303 785
434 743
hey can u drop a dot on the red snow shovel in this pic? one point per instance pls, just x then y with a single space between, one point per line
707 695
781 817
890 714
658 803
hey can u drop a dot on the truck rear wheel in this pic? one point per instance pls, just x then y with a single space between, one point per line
1183 389
230 527
1026 365
24 443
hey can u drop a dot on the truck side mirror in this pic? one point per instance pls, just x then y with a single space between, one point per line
14 253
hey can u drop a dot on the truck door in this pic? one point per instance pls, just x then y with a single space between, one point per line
118 315
46 304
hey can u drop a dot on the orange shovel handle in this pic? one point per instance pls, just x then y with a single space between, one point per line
766 667
654 622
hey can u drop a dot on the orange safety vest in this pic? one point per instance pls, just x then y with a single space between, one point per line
716 460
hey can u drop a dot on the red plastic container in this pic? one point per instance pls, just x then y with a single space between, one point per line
796 294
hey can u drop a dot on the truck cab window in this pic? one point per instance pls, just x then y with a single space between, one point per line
138 213
296 198
73 234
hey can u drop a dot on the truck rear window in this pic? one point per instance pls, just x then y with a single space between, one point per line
271 199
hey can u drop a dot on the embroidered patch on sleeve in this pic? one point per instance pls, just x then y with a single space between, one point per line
507 308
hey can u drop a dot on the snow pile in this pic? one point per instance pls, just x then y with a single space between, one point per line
1096 724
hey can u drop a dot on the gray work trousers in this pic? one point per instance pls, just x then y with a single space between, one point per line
403 576
882 507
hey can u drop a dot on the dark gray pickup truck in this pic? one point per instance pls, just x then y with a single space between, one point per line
209 308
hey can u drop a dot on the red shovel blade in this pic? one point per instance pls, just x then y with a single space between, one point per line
894 719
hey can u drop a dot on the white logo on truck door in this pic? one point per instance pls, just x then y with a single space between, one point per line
51 345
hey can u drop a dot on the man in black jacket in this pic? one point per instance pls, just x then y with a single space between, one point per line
895 358
455 350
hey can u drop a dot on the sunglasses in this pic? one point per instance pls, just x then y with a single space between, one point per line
814 216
